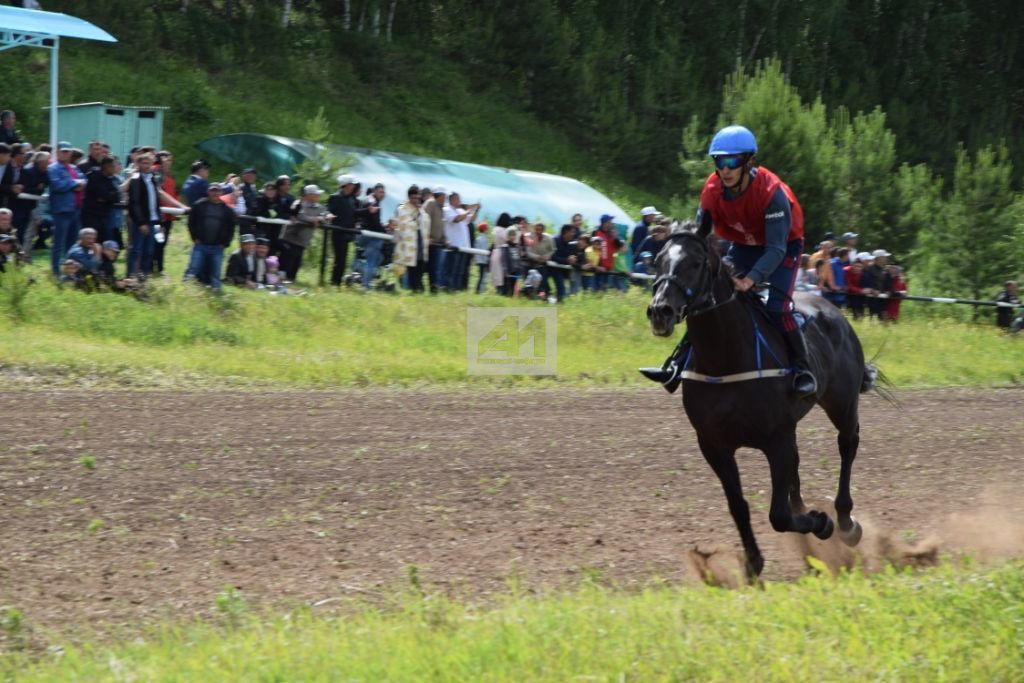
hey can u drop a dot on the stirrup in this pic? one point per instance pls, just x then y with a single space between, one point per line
804 382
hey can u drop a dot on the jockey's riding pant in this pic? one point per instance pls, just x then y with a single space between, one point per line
781 281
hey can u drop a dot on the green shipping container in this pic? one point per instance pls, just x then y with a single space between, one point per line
121 127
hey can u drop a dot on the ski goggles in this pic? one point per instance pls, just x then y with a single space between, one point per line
730 161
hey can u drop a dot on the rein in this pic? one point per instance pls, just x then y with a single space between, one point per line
707 293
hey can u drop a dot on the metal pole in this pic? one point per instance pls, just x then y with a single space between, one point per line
323 260
54 55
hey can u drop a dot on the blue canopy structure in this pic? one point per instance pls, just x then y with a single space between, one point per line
537 196
35 28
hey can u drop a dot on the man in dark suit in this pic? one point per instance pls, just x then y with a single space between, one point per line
242 264
211 225
144 197
35 179
250 195
7 175
101 193
8 135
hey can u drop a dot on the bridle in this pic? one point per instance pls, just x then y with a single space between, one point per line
703 300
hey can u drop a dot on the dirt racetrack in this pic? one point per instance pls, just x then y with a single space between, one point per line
304 496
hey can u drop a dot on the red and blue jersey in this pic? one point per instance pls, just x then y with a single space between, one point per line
742 219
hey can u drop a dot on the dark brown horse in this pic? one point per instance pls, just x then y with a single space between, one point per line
731 337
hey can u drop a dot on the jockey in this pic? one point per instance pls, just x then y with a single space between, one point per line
758 213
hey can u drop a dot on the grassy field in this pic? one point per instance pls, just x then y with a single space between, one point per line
330 339
944 624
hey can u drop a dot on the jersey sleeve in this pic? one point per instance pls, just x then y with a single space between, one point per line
778 216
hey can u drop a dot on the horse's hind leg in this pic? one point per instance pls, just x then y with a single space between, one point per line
723 463
782 461
847 422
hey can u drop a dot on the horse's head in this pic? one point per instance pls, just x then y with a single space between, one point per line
686 268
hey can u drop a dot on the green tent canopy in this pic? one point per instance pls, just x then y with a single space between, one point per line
537 196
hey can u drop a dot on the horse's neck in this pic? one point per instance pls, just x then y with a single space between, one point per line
723 338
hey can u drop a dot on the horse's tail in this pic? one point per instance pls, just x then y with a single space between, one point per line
871 377
875 380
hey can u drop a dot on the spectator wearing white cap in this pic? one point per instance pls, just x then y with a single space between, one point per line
876 281
434 208
342 209
648 215
307 213
850 244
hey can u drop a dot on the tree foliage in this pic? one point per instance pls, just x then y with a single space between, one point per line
861 106
972 244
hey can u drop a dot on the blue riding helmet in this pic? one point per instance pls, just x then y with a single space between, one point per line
733 140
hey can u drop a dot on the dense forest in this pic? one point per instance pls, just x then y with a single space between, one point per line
624 76
898 119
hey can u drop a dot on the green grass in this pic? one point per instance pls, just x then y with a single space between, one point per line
945 624
328 339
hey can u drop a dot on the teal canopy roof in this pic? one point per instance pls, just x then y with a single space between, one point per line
28 21
537 196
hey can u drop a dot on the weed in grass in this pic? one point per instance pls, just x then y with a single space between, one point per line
413 575
87 461
231 604
15 284
12 621
94 525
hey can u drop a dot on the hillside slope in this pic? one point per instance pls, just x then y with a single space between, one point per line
419 104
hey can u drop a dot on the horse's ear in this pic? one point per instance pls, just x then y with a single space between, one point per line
704 227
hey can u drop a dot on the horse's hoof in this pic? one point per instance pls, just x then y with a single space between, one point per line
851 536
754 568
827 530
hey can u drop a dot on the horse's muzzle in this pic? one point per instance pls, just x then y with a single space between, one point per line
662 318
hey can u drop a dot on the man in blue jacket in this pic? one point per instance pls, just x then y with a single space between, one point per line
195 185
67 193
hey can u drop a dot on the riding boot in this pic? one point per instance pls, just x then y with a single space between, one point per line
669 374
804 382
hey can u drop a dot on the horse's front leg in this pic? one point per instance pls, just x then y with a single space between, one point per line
723 462
782 461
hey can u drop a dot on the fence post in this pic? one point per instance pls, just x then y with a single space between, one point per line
323 259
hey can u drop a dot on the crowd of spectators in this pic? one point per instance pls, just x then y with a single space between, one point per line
90 209
863 282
